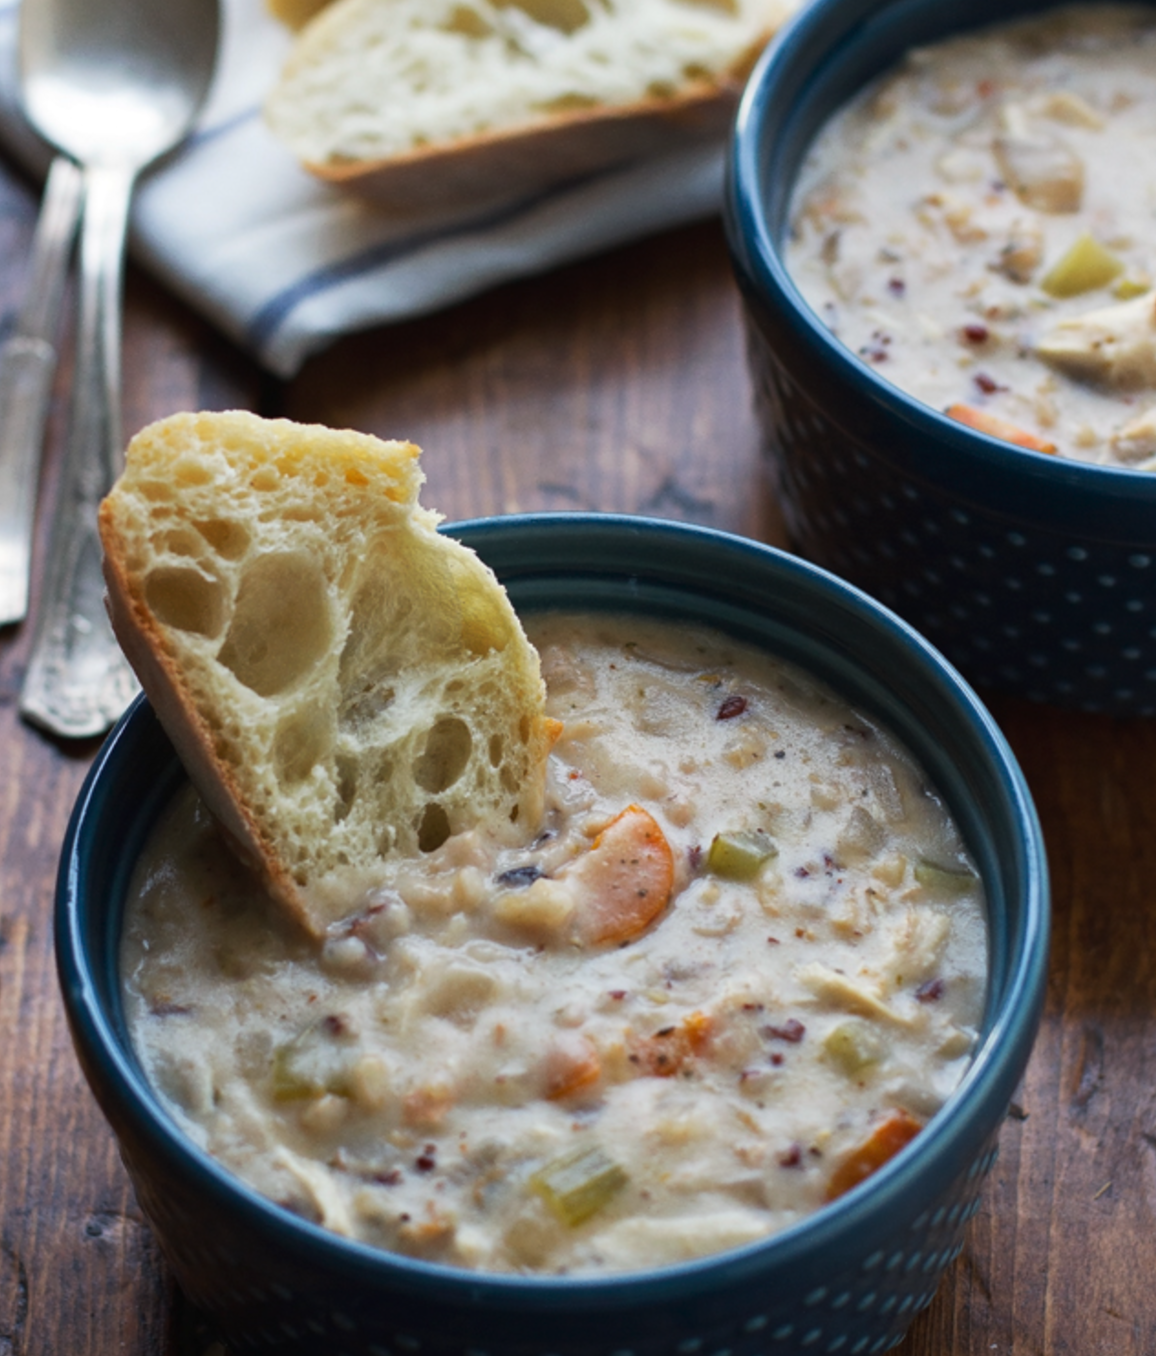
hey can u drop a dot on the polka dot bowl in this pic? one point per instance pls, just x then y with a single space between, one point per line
1032 573
850 1278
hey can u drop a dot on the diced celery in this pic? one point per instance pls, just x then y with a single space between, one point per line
740 855
1127 288
853 1045
940 881
579 1183
310 1065
1086 266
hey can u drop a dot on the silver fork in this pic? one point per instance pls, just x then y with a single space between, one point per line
27 365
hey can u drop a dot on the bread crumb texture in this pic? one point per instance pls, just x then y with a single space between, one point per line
373 79
344 684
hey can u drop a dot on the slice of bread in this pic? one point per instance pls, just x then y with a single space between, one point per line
343 684
435 101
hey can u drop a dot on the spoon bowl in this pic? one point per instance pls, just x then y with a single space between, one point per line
113 84
115 81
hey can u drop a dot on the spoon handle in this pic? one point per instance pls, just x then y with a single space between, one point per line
78 683
27 366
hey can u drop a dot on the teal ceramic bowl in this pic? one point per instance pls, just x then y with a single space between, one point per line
849 1279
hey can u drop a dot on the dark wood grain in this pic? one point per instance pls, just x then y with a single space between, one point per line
617 385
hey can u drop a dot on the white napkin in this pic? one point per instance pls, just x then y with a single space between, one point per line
284 264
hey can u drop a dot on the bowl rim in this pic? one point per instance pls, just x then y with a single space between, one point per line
996 1065
809 44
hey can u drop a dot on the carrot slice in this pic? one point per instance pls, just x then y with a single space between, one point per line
427 1106
666 1052
882 1144
624 882
569 1067
996 427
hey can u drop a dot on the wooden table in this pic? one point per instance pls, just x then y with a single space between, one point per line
618 384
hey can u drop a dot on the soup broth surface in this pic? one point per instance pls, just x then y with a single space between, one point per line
738 969
978 226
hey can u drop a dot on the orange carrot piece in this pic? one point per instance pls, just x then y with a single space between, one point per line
570 1067
666 1052
624 881
427 1107
996 427
882 1144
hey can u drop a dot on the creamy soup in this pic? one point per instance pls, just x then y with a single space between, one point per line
978 225
738 969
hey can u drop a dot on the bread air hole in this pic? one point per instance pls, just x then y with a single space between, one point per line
229 540
565 103
443 760
377 644
346 786
179 541
361 706
155 491
434 828
190 471
300 744
281 623
468 22
565 15
185 599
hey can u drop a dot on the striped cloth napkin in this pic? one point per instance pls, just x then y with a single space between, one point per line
284 264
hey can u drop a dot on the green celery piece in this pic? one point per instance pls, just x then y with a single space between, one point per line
853 1045
940 881
304 1067
740 855
579 1183
1087 266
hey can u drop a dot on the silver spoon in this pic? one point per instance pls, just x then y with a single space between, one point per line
114 84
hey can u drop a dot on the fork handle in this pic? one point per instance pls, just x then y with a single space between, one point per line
27 366
78 683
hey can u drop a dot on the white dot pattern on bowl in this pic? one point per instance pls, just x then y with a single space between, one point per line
1020 609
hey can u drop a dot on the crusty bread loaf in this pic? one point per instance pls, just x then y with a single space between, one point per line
417 101
343 684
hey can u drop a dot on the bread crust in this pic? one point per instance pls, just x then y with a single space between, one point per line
540 153
364 621
159 675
